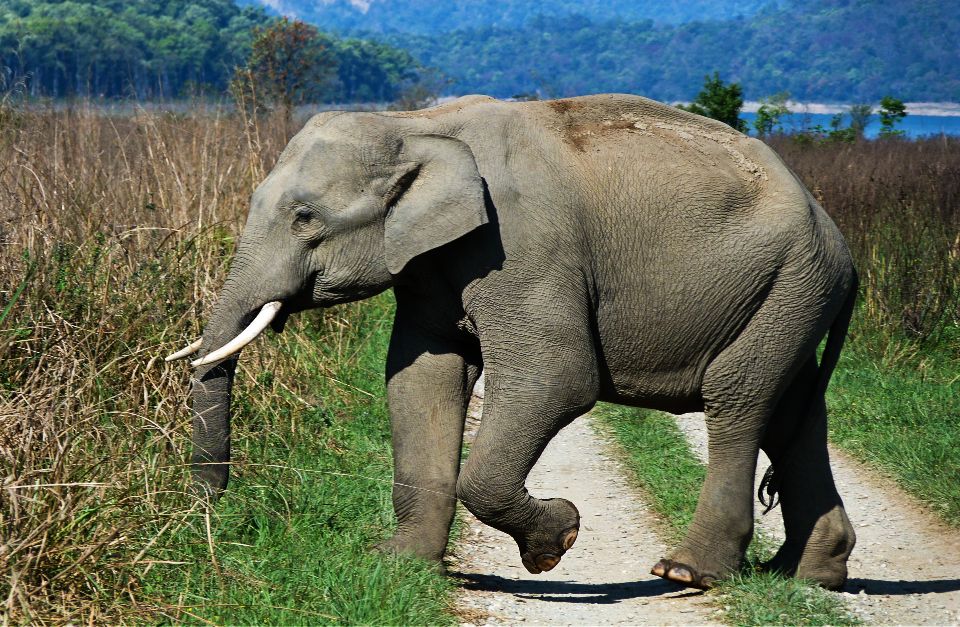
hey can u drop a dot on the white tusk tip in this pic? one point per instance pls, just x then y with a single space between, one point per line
184 352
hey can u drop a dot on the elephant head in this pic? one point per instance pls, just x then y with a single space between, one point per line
352 199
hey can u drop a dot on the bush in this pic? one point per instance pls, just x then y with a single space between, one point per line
115 231
720 102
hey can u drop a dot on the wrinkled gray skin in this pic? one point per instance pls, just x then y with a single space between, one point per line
598 248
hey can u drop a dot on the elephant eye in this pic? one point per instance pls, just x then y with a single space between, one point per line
303 214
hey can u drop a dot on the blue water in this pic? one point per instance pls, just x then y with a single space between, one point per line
914 125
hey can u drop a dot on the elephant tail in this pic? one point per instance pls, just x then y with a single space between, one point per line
835 339
769 485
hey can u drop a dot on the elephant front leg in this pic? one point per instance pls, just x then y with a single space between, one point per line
428 388
520 416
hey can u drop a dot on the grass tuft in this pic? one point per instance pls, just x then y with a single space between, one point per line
768 599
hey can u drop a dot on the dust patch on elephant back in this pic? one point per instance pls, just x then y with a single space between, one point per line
691 135
454 106
686 137
564 106
582 122
581 135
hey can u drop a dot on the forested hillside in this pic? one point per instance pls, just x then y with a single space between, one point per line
165 48
834 50
430 17
839 50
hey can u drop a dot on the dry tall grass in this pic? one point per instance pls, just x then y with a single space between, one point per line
898 205
114 230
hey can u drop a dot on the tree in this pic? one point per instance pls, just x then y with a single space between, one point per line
290 63
860 118
838 133
370 71
719 101
772 108
892 110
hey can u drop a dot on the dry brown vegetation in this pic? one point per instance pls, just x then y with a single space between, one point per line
114 231
897 203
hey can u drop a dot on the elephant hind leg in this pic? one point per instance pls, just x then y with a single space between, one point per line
819 534
741 389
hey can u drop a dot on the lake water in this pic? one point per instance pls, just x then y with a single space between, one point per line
914 125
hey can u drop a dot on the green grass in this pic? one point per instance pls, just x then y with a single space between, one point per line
765 599
661 462
292 535
657 453
898 409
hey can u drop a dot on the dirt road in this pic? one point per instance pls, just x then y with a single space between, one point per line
905 570
603 580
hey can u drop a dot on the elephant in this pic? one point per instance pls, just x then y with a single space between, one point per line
597 248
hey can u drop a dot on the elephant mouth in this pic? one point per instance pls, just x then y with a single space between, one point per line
278 323
273 314
267 316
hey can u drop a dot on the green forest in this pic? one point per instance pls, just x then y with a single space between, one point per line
835 50
431 17
827 50
150 49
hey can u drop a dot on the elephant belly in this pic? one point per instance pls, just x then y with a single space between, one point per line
626 380
654 351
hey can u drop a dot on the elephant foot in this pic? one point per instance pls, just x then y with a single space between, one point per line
787 562
695 569
683 574
543 562
406 545
541 550
823 558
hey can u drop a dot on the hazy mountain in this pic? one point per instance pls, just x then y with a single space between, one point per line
836 50
430 17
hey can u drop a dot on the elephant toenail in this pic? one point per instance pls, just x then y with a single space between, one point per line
530 566
707 582
546 561
659 569
569 538
680 574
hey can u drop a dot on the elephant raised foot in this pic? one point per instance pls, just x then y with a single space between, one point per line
537 563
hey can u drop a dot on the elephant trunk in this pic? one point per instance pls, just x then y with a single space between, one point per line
212 389
212 382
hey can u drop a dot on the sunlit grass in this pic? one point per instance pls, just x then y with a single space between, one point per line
899 413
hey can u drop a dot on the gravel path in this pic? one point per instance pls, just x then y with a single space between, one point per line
905 569
603 580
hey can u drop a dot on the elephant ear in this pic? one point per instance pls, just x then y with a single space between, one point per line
442 201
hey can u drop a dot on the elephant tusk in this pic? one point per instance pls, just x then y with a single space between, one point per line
185 352
266 315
